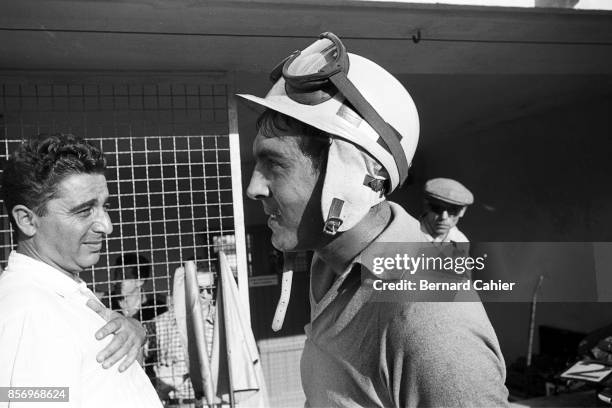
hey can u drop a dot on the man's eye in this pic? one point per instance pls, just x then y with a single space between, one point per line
272 163
85 212
107 207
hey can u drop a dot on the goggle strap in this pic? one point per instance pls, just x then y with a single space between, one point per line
384 130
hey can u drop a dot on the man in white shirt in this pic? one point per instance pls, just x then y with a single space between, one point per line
55 193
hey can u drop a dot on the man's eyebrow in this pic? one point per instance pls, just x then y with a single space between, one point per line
86 204
266 153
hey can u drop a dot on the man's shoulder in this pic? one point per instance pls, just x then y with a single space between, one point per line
12 287
415 321
21 297
452 348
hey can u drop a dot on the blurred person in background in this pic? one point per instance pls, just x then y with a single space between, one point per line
446 201
167 345
130 273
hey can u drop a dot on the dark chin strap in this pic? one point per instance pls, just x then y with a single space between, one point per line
389 137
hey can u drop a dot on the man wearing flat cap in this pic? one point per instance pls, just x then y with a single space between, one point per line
445 203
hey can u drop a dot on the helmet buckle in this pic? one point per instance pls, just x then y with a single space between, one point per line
331 226
333 221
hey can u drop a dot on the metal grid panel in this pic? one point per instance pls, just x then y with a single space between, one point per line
168 203
6 234
169 171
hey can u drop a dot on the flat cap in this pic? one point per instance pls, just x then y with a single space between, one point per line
449 191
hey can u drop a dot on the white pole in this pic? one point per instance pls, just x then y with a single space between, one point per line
241 256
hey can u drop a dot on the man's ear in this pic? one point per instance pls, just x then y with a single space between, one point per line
462 211
25 219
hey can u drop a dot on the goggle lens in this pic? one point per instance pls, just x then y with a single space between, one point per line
452 210
313 59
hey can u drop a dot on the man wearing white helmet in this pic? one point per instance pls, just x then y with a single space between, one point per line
338 135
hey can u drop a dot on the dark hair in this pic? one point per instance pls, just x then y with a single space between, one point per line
33 172
314 142
135 267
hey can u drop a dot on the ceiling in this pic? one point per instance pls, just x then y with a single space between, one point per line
466 67
195 35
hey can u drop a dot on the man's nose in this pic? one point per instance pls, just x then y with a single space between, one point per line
444 215
258 186
103 224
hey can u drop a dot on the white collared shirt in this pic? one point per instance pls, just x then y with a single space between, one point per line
47 339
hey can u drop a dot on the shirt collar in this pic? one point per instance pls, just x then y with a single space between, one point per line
403 228
52 278
399 229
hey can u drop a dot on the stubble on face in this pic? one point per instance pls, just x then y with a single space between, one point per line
291 191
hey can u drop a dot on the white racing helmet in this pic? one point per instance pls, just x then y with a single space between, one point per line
356 101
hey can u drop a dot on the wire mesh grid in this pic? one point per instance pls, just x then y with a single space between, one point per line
169 179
